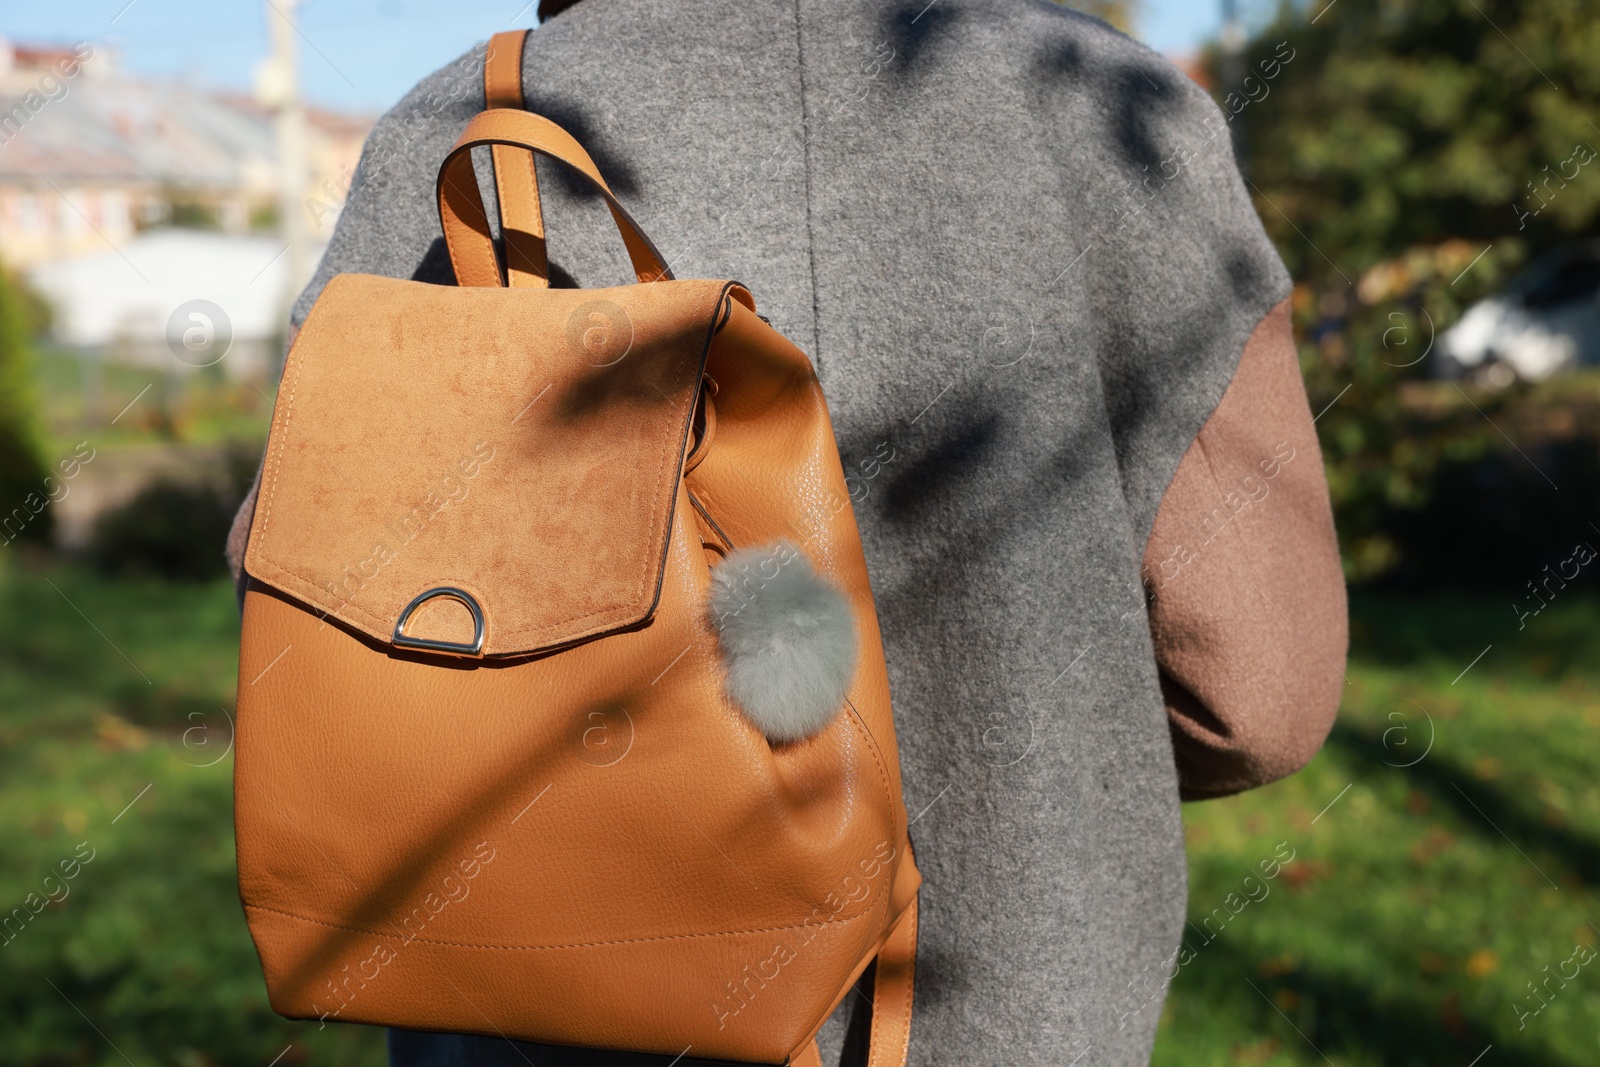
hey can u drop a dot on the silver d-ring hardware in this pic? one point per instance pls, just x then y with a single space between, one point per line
475 648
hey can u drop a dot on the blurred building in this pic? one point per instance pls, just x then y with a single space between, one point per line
134 304
96 167
89 156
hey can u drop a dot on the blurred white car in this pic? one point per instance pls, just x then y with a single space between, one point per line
1547 320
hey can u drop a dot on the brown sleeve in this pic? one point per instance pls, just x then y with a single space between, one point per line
1247 606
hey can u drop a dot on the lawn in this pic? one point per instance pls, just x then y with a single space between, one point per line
117 404
114 739
1422 906
1431 910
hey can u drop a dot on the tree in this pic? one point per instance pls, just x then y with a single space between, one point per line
1395 123
24 513
1407 156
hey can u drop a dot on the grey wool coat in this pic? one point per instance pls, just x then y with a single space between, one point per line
1017 248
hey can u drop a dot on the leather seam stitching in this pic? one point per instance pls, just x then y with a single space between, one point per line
653 565
313 323
877 757
805 168
545 948
285 573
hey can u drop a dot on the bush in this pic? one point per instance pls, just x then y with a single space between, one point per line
1396 153
1497 523
170 530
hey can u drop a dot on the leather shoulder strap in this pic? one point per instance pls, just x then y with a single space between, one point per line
516 182
893 986
502 70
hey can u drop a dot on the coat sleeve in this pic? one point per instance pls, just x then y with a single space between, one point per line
1247 608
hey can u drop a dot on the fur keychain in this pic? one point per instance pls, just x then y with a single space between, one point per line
788 639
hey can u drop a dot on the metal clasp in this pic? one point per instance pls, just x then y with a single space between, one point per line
475 648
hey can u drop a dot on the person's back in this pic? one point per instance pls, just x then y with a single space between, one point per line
1015 245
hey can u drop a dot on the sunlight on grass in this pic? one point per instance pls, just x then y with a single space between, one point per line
1404 930
1426 911
114 760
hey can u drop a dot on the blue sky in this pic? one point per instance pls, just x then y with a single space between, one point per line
363 54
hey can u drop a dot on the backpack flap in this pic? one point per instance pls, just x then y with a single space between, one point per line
484 471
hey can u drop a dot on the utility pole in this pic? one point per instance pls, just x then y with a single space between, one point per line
1233 69
278 88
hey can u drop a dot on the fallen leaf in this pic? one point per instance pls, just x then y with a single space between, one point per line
1278 966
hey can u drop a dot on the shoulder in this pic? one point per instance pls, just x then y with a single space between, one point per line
1060 45
453 92
1138 145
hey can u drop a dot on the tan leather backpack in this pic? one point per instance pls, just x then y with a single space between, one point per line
563 712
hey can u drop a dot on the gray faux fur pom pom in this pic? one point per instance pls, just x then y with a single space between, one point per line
788 639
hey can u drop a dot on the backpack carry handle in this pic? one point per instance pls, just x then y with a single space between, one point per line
461 211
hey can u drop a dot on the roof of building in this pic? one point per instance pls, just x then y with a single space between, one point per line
103 125
160 133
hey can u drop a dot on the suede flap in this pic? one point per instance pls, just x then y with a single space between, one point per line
520 445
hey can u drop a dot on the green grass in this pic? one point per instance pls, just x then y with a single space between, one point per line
79 398
1420 905
1402 932
149 942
